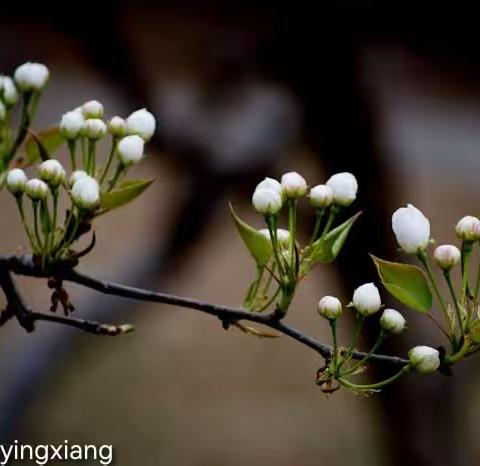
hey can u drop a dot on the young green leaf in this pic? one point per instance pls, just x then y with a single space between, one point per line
326 249
42 145
259 246
126 192
405 282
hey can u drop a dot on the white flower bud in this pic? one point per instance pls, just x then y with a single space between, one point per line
392 321
76 175
270 183
117 126
344 186
130 150
92 109
411 228
366 299
330 307
52 172
321 196
86 193
31 77
283 236
95 129
3 112
142 123
8 91
36 189
468 228
16 181
266 201
293 185
424 359
446 256
72 124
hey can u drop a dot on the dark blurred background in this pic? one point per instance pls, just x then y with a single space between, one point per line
242 90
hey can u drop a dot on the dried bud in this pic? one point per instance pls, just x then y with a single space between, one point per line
446 256
392 321
424 359
321 196
293 185
366 299
17 181
330 307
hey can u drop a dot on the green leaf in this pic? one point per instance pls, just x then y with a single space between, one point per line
42 145
259 246
126 192
326 249
405 282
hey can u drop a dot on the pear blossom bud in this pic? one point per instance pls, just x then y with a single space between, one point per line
270 183
130 150
446 256
344 186
92 109
72 124
330 307
86 193
95 129
266 201
293 185
392 321
31 77
76 175
8 91
321 196
16 181
141 123
424 359
366 299
117 126
411 228
468 228
36 189
52 172
283 236
3 112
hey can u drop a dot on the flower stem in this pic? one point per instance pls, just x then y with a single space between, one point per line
374 386
446 274
356 335
467 247
31 239
331 218
333 326
72 147
380 339
116 176
318 221
292 226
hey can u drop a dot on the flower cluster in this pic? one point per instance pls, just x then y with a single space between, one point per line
92 187
280 257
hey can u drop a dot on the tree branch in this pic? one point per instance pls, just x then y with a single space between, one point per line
23 265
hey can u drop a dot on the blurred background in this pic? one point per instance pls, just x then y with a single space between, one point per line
242 90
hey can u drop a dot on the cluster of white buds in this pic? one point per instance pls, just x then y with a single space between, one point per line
330 307
447 256
424 359
392 321
468 228
411 228
31 77
366 299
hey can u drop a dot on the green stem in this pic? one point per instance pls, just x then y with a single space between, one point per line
292 226
318 221
374 386
380 339
446 274
270 301
110 159
422 257
72 147
467 247
36 205
356 335
91 162
83 145
22 129
31 239
333 326
271 221
331 217
116 176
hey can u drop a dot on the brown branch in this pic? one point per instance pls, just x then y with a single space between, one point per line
23 265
